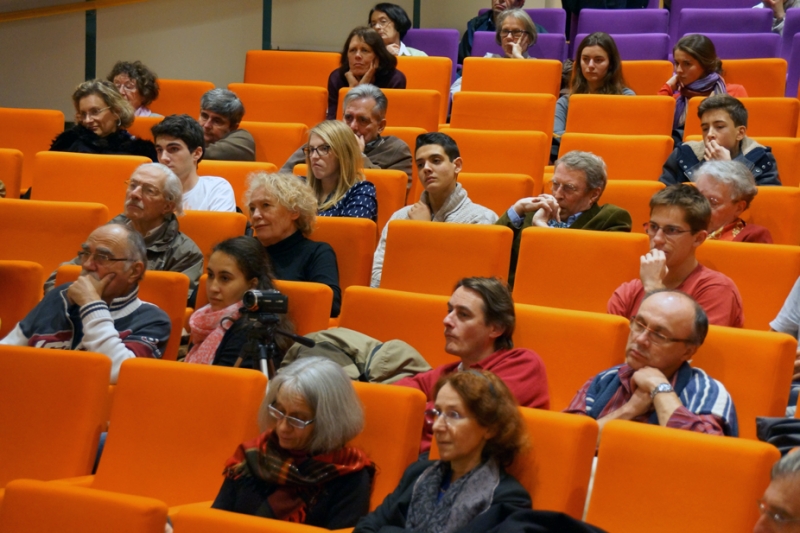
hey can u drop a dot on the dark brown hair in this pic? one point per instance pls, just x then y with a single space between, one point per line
386 61
695 206
613 82
702 49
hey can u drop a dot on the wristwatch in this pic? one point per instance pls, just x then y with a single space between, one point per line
662 387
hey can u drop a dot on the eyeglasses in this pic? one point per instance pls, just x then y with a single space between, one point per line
651 228
147 190
776 516
321 150
292 421
450 417
129 87
637 327
568 187
380 23
100 259
92 113
514 33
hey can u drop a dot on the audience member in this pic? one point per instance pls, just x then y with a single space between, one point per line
152 201
723 120
137 84
479 432
487 22
779 8
301 468
365 60
101 310
101 114
478 329
218 331
392 23
180 146
221 111
679 217
656 384
335 173
729 188
444 199
780 506
578 183
283 211
365 113
698 72
788 321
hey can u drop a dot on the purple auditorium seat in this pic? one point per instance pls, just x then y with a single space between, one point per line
616 21
704 20
553 19
435 42
791 26
793 76
548 46
746 45
637 46
679 5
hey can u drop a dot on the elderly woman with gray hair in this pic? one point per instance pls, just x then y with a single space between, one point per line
730 187
301 469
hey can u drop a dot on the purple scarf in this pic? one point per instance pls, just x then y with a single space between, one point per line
711 84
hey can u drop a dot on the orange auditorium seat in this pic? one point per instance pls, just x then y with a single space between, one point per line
760 77
208 228
20 291
278 67
643 115
11 171
354 241
766 117
787 154
411 108
628 157
176 97
634 197
502 152
646 77
488 74
276 141
498 192
503 111
236 172
277 103
142 126
429 73
778 210
29 131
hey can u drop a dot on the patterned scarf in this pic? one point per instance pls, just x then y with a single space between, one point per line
711 84
207 332
727 232
299 478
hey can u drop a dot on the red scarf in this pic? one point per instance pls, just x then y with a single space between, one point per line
207 332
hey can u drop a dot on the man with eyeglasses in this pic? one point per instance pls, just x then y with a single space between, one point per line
486 22
153 199
780 506
579 180
679 217
657 385
364 111
100 311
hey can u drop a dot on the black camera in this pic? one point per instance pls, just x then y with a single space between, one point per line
269 301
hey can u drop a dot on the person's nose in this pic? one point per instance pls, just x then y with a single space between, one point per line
711 135
658 238
448 320
439 424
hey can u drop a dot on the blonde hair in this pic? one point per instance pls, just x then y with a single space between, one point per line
110 95
345 148
290 192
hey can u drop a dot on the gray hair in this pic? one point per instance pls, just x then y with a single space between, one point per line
289 191
593 166
225 103
368 91
733 173
137 249
521 16
788 465
325 387
173 188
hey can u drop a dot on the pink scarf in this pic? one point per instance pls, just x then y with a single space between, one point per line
207 332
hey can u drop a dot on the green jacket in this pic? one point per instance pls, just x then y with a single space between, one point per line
606 218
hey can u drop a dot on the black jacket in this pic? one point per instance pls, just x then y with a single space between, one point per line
684 160
82 140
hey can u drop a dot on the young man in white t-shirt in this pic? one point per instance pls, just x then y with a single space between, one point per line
180 146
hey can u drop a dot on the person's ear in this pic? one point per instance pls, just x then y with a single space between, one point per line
741 131
741 207
700 237
381 125
136 272
458 163
197 154
253 283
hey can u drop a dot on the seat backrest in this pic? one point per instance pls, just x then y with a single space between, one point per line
442 42
28 230
623 21
11 170
391 415
588 113
59 507
29 131
208 228
414 108
503 152
627 157
498 192
142 126
278 67
354 241
482 250
503 111
787 154
429 73
791 26
646 77
386 315
68 177
739 261
547 46
282 103
177 97
159 407
760 77
746 45
723 498
634 197
766 117
194 519
236 172
736 20
500 75
166 290
778 210
534 283
574 345
679 5
793 75
51 406
276 141
553 19
756 368
20 291
638 46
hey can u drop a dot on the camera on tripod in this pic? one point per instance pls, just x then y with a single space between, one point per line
268 301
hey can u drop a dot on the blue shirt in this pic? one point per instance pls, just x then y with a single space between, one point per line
359 201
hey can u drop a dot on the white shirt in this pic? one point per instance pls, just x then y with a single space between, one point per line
210 194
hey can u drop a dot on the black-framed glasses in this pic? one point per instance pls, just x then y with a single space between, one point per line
514 33
321 150
651 228
777 517
450 417
655 337
278 415
100 259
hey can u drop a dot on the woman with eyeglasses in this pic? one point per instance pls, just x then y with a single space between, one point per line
335 172
137 84
300 468
392 24
101 116
365 60
479 431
